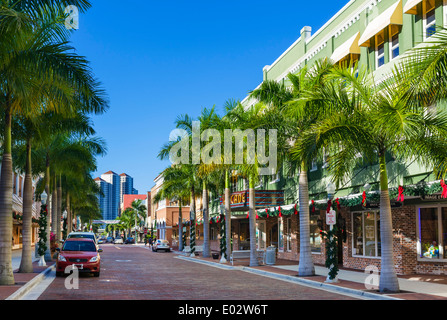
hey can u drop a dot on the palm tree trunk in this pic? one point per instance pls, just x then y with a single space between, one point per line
228 214
47 190
180 226
69 219
306 266
206 224
54 207
26 263
388 278
192 224
59 210
252 222
6 224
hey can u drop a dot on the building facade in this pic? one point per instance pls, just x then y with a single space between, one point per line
376 34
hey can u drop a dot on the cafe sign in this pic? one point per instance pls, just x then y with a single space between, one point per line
263 199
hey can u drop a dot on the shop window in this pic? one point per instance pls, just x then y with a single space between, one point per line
366 234
280 235
288 234
433 233
429 18
315 237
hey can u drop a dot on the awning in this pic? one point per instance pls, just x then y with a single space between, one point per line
410 6
349 47
392 15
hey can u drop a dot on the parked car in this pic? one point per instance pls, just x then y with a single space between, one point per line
110 239
161 245
83 235
118 240
80 253
129 240
101 240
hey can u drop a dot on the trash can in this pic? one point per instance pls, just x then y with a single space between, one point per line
270 256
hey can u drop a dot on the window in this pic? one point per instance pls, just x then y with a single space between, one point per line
280 235
315 237
288 234
429 18
314 165
380 55
394 46
432 230
366 234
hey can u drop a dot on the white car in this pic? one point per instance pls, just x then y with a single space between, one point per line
118 240
161 245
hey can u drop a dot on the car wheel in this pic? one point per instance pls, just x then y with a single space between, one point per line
59 274
96 274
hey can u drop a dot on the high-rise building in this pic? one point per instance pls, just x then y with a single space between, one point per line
110 202
126 186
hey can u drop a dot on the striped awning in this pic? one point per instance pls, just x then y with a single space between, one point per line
391 16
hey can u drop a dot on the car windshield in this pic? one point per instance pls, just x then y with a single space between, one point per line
82 236
79 246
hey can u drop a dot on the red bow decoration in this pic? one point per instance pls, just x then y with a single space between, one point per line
313 206
338 204
329 204
267 211
257 216
296 212
248 215
444 189
400 197
280 214
364 199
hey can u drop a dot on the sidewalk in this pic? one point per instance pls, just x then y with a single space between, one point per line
414 287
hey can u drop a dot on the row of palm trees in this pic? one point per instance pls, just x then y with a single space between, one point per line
47 92
341 111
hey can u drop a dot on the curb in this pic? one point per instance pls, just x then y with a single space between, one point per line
19 294
320 285
307 282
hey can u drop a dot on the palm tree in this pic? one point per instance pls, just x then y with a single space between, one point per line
175 186
294 115
376 120
34 53
140 213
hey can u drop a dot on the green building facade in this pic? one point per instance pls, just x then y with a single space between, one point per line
376 33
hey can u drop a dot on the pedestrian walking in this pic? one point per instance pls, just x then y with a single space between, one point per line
150 242
145 240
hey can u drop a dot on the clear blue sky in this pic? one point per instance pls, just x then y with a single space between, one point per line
160 59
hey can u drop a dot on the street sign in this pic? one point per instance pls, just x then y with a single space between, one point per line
331 218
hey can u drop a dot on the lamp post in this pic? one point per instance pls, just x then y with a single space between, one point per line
43 199
330 195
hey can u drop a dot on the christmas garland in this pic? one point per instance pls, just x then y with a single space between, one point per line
42 244
331 253
223 239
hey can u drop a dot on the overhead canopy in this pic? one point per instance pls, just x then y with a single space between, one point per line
410 6
351 46
391 16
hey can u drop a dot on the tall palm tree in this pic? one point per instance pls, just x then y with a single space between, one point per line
296 115
140 212
376 120
34 52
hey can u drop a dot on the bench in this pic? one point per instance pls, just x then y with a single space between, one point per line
245 254
198 249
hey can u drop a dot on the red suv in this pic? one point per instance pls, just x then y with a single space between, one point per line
80 253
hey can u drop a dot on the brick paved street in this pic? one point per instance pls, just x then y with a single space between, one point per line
150 276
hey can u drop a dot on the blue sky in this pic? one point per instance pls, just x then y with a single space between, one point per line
160 59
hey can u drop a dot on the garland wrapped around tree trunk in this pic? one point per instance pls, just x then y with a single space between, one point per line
223 238
42 231
192 243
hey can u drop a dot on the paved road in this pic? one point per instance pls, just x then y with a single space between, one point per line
135 273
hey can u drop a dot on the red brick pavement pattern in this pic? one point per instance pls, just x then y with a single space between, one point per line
161 276
20 280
